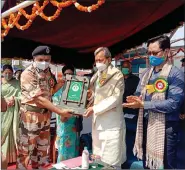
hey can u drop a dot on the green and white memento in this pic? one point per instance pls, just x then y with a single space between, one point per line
74 95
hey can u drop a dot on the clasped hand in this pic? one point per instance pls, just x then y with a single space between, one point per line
134 102
88 112
10 102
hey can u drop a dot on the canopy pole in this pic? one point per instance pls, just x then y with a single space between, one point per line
173 32
17 7
2 4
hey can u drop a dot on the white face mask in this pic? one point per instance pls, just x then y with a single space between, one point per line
183 69
42 65
101 66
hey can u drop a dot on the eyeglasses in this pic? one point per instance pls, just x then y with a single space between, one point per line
155 53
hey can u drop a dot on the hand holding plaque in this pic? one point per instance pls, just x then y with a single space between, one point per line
74 96
88 112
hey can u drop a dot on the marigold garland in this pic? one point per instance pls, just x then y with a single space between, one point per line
31 16
62 4
90 8
51 18
38 10
3 23
11 22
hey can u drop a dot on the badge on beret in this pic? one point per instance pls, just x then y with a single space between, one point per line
47 50
160 85
51 82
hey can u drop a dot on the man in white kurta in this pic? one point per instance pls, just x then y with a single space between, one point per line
108 124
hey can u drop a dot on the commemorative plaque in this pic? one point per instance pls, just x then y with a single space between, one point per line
74 95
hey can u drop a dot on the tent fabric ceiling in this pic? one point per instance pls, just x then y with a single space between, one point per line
116 24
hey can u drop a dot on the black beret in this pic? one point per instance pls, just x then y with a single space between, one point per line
183 60
41 50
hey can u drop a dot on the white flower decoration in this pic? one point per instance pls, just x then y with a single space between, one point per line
11 26
89 9
37 12
76 4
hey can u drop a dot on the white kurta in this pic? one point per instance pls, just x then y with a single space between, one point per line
108 126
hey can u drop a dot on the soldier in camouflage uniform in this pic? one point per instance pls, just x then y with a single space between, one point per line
37 85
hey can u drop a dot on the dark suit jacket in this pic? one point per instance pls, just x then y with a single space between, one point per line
131 84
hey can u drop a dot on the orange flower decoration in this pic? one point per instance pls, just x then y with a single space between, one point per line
13 19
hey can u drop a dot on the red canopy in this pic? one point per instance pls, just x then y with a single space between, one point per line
111 23
116 24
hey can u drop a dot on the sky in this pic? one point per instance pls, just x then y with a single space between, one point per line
179 34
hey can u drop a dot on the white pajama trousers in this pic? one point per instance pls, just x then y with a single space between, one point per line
110 145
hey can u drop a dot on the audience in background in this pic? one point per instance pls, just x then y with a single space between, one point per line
131 115
131 83
10 91
18 74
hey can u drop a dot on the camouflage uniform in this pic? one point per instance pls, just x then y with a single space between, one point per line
34 139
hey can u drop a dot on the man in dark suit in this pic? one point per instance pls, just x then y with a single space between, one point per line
131 82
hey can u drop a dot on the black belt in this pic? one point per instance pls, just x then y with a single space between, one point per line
35 109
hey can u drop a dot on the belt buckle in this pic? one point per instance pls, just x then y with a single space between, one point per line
43 111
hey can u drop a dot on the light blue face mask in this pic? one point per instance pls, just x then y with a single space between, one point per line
8 77
125 71
95 69
156 61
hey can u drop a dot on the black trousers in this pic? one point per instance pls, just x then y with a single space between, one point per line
174 149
